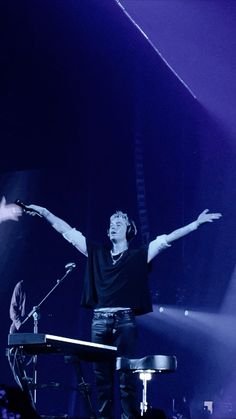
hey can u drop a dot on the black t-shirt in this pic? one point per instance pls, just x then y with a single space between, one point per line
123 284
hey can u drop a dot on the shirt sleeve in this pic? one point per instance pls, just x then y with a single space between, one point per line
157 245
77 239
73 236
161 242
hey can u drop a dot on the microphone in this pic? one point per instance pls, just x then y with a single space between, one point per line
26 209
70 266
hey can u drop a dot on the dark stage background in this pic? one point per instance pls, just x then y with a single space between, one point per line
93 120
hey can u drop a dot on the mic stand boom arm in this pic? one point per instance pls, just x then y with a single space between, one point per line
35 309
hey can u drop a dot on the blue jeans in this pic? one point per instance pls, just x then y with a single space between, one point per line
116 329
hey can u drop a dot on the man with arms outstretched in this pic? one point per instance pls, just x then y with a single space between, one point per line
116 287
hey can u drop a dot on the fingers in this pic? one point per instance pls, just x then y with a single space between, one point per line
32 213
3 201
34 207
16 211
9 212
216 216
13 215
213 216
206 217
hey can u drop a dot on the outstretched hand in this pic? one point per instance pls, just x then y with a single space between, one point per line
206 217
35 210
9 211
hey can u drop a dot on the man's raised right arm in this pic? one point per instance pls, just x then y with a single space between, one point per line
72 235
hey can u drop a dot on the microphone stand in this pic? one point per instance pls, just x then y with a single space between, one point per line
36 316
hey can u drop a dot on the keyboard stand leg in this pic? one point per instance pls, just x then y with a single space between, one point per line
16 361
83 387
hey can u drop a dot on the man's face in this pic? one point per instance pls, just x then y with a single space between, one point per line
117 229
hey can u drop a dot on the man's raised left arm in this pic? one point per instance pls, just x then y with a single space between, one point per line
164 241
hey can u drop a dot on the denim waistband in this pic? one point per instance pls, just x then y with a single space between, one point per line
110 314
